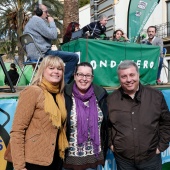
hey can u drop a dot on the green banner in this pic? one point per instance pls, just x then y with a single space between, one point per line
106 55
138 14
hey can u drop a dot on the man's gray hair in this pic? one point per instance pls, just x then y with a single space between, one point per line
127 64
101 17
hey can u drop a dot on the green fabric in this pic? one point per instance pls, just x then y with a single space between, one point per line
166 166
138 14
105 56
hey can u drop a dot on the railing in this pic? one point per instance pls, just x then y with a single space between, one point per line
163 30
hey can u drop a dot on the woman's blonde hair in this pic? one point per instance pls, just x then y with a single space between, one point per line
52 61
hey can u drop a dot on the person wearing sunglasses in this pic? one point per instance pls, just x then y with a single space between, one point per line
86 121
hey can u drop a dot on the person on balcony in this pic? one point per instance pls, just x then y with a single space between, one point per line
153 40
72 27
118 35
96 29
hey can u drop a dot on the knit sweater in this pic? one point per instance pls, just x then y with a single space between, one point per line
43 32
33 137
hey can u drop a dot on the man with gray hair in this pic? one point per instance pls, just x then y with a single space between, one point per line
43 28
139 122
96 29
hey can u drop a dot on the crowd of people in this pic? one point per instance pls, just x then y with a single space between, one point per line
42 27
64 124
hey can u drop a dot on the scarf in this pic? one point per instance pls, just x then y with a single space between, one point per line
87 117
57 112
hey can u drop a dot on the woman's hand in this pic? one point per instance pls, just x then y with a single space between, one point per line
125 37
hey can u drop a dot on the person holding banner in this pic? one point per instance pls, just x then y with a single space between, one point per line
139 122
119 35
38 139
153 40
87 121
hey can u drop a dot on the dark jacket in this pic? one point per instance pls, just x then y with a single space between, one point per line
101 96
95 29
13 76
67 38
138 127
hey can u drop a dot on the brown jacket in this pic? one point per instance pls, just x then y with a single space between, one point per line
138 127
33 138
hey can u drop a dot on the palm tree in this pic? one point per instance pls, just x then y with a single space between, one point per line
71 12
14 14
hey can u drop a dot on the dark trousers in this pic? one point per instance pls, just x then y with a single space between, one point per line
160 67
56 165
154 163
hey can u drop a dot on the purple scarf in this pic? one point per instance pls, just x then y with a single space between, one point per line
87 117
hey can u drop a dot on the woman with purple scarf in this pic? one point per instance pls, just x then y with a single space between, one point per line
86 121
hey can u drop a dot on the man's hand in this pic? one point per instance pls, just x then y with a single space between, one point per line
112 148
157 151
50 19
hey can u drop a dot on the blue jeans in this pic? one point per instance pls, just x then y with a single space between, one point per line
70 59
160 67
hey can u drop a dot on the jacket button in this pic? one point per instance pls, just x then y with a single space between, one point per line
132 113
134 128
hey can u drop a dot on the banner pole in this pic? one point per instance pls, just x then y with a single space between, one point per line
128 19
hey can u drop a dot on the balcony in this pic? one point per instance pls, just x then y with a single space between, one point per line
163 31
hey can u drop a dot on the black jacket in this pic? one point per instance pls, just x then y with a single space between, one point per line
101 96
138 126
95 29
13 76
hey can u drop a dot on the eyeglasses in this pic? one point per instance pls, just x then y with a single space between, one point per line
87 76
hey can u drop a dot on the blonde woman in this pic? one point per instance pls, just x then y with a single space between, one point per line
38 139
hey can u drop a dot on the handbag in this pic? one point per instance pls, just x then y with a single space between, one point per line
7 154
